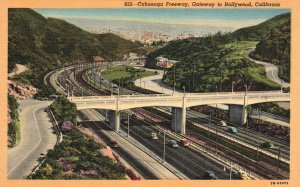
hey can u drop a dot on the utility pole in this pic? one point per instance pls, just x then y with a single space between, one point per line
194 76
174 79
232 84
164 153
258 139
128 124
278 161
216 139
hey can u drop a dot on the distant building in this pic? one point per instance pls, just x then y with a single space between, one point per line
98 59
164 62
136 60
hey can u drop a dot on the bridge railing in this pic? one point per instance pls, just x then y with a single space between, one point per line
236 93
207 96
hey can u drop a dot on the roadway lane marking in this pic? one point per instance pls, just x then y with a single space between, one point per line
33 148
124 147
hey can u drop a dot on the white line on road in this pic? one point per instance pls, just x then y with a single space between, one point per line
40 139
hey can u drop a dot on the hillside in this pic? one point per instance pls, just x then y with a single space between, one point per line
262 30
213 62
46 43
276 49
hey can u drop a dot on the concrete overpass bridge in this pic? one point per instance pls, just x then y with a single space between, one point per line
237 102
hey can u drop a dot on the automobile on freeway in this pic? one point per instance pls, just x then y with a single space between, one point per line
154 136
173 143
267 145
222 124
232 130
210 175
114 144
184 142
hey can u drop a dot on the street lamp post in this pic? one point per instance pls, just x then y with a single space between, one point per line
258 139
106 115
183 91
243 113
278 161
216 139
164 153
128 124
232 84
174 80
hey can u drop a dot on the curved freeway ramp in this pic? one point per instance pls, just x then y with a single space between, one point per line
271 70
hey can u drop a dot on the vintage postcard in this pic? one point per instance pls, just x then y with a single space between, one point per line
167 93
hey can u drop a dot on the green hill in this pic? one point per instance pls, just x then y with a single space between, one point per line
213 62
46 43
262 30
276 49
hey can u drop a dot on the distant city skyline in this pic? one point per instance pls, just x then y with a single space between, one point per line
153 25
234 18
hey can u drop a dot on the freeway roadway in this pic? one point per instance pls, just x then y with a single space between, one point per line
193 166
246 135
37 137
144 164
79 91
271 70
191 163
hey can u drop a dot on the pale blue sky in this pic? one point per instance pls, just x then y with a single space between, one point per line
214 17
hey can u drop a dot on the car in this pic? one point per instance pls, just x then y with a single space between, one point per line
210 175
266 145
222 123
184 142
154 136
172 143
124 121
242 175
134 116
232 130
114 144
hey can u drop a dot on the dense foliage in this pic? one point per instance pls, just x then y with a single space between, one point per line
46 43
262 30
273 108
216 61
276 49
13 125
78 157
64 110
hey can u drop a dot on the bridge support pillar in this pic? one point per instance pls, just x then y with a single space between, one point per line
179 119
237 114
114 120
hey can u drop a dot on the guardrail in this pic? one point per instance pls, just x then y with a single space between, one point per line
56 128
262 113
212 154
275 156
147 151
205 96
58 141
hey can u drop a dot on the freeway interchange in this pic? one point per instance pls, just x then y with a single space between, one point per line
190 162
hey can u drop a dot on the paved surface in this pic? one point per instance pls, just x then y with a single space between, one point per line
154 83
271 70
37 137
19 69
137 156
